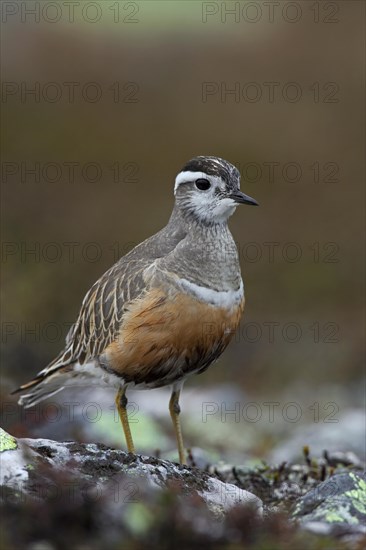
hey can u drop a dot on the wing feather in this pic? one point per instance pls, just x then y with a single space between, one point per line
104 305
100 316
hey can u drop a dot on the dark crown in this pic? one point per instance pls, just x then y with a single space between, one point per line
213 166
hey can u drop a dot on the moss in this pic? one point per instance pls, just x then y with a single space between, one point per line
7 442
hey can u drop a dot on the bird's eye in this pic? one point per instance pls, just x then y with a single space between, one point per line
202 184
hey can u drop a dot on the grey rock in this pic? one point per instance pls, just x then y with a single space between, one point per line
335 507
29 466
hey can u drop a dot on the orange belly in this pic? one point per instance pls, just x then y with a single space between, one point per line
164 339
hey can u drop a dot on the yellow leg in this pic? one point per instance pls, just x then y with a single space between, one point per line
121 402
174 410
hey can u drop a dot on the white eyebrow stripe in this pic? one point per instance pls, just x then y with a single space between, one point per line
187 175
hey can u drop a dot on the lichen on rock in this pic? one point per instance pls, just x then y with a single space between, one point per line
339 503
7 441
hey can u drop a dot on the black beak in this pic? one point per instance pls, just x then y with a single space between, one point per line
241 198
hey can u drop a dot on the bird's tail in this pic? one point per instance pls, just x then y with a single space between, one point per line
48 382
41 390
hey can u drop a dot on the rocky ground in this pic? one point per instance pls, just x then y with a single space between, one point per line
58 495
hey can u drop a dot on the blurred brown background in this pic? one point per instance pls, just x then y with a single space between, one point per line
126 100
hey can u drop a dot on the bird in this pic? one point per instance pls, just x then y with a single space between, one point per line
167 309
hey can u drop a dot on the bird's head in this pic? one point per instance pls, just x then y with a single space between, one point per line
208 189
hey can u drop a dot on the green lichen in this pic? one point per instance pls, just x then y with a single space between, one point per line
333 516
358 495
7 441
345 507
340 514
